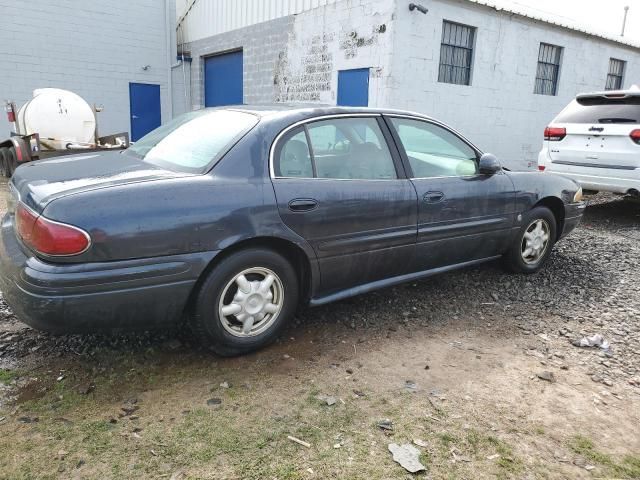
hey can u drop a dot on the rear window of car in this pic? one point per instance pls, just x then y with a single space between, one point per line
601 110
194 141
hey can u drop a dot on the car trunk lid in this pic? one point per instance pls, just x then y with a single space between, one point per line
40 182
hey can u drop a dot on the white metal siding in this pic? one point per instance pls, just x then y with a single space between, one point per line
88 48
204 18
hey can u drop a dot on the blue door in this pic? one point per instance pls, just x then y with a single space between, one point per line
353 87
223 79
144 106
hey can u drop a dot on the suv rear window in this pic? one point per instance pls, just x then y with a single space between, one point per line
601 110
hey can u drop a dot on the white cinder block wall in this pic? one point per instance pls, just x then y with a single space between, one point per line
297 59
91 47
498 111
344 35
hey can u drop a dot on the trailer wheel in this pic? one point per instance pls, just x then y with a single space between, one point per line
4 170
12 162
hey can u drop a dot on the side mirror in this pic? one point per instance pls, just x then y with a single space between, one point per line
489 164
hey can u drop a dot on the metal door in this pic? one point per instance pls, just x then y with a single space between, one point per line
223 79
362 229
462 215
144 107
353 87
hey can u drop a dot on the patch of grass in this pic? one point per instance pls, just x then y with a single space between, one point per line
509 463
256 447
627 467
8 376
447 439
97 436
475 441
538 430
60 398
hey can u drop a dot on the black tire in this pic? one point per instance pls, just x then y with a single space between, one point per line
3 162
12 161
514 259
206 321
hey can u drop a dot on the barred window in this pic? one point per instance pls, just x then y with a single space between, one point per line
548 69
456 53
616 72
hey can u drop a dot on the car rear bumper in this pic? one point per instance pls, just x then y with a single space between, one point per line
602 182
128 294
573 213
600 177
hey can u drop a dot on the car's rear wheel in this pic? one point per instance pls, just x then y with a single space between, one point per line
3 162
533 243
245 301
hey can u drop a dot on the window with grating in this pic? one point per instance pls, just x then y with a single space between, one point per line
456 53
616 72
548 69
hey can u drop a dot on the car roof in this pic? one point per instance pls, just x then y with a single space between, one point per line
312 110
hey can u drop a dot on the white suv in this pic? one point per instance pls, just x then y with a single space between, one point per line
595 141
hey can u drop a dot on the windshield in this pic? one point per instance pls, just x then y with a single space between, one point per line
601 110
193 141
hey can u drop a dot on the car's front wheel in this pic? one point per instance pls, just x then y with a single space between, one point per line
245 301
532 245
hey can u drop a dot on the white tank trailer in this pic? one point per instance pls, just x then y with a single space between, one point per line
53 123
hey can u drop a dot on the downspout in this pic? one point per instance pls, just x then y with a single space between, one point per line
169 28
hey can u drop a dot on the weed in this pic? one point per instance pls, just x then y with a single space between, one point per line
627 467
8 376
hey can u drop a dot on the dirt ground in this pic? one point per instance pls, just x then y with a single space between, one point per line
476 367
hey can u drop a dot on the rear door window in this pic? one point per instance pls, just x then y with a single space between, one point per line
350 148
340 148
294 156
601 110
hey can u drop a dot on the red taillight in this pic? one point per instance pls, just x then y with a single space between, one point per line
541 168
635 136
49 237
555 134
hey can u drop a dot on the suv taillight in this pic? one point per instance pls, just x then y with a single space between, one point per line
48 237
635 136
555 134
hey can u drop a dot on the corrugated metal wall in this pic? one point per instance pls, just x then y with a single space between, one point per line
204 18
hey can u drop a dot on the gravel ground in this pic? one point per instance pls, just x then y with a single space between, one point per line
588 287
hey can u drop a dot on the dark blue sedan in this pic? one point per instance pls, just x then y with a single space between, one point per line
233 218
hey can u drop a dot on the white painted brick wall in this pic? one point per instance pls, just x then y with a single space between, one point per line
91 47
348 34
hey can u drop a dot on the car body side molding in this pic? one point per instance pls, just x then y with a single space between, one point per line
388 282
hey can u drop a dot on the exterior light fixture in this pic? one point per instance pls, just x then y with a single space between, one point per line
420 8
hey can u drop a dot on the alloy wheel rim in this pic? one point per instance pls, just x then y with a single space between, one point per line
251 302
535 241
